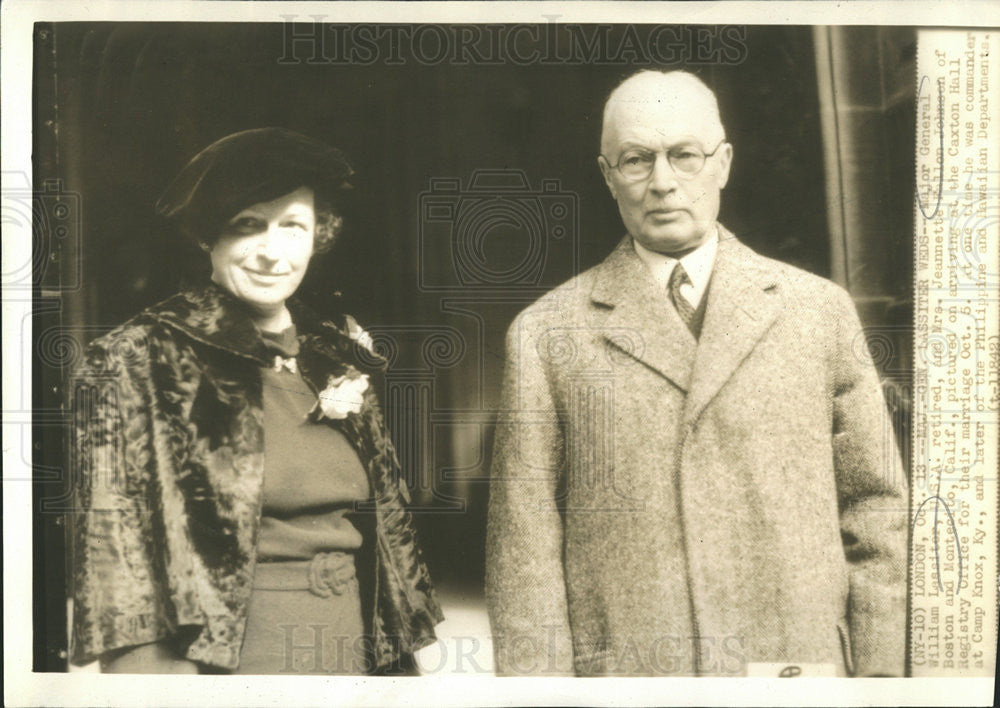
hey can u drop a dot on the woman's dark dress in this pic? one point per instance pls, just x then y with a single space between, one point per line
305 609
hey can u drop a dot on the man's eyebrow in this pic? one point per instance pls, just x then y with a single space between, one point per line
634 144
685 141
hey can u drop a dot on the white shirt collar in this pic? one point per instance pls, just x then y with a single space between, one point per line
698 264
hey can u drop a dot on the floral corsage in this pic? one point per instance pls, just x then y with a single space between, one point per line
342 396
359 335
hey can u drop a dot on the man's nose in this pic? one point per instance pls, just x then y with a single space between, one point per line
662 178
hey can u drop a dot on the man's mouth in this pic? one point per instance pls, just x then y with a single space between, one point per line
665 213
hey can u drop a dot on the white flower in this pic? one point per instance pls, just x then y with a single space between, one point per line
360 336
342 396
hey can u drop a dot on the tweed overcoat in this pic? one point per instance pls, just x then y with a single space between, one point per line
169 461
741 493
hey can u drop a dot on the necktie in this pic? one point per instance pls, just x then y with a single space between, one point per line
678 278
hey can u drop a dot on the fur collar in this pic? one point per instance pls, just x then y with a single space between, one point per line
211 315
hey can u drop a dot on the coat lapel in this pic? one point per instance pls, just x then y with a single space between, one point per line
642 322
327 349
742 305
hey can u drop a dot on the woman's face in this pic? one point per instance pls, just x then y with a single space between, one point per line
263 251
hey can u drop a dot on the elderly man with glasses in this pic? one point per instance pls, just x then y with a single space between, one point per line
695 472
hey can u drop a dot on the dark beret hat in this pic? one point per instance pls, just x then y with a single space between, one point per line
246 168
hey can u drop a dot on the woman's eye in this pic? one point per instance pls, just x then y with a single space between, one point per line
245 225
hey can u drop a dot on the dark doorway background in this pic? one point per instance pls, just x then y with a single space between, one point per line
130 104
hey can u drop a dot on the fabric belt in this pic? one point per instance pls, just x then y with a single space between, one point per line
327 574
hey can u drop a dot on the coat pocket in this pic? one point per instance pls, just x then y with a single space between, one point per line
843 629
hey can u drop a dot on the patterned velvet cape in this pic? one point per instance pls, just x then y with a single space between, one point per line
169 462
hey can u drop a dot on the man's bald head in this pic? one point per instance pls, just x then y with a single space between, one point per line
665 99
668 123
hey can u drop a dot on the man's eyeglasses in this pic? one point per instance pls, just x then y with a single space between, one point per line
686 160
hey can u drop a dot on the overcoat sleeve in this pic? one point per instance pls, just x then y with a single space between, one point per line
871 489
525 587
118 600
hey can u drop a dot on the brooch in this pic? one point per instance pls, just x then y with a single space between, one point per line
281 362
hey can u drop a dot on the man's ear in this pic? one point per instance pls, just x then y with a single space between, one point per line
725 162
606 172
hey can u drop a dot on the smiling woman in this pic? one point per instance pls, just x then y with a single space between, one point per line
198 547
263 253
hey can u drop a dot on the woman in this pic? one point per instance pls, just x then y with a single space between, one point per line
241 507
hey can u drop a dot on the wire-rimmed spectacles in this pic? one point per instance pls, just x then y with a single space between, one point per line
687 160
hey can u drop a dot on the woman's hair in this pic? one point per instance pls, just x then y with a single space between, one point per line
329 223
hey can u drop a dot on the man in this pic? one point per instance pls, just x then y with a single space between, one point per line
694 473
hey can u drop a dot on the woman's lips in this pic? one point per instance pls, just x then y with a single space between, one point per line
264 277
